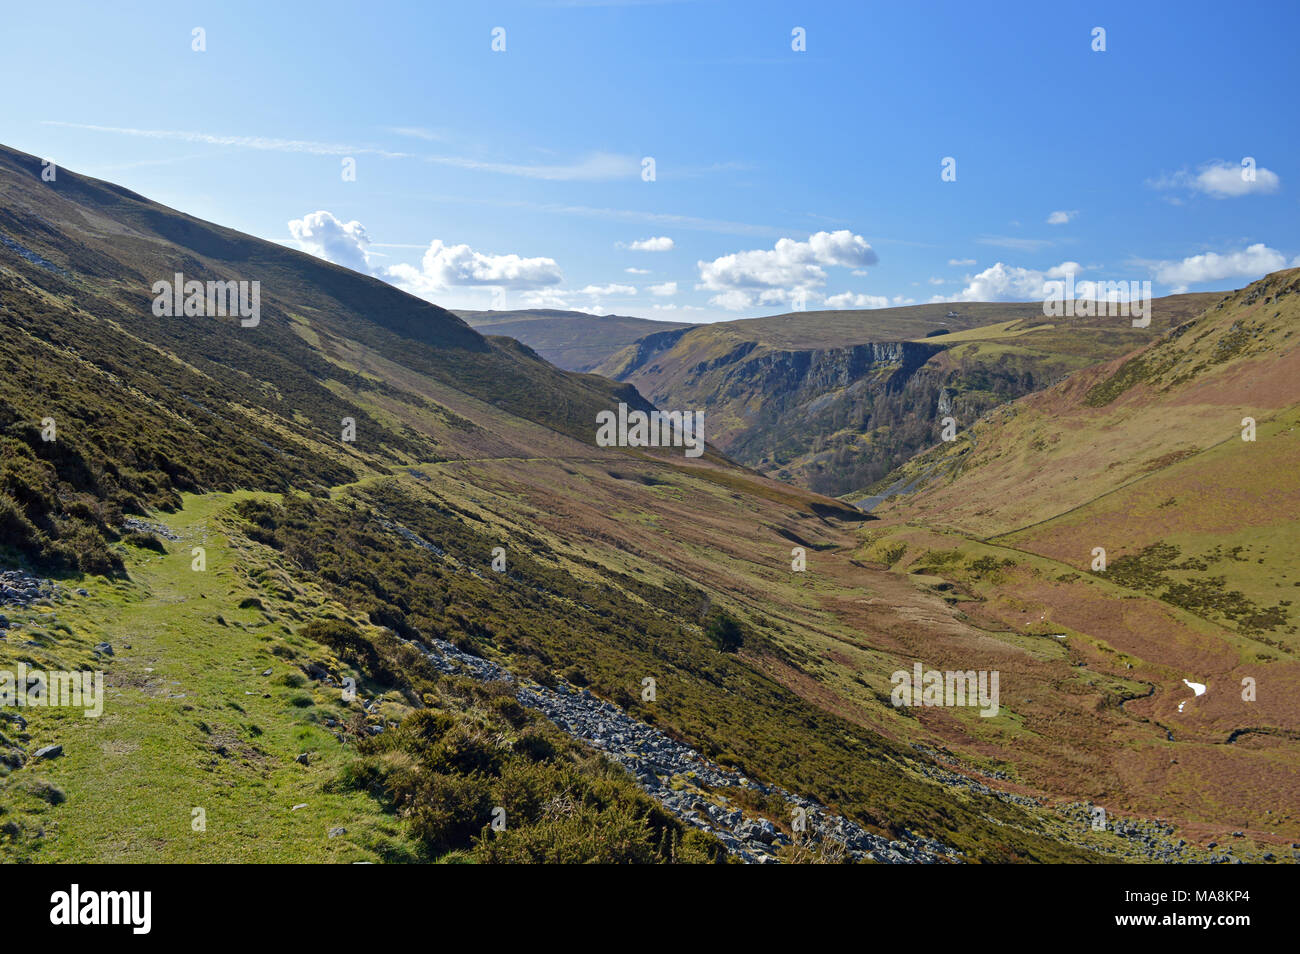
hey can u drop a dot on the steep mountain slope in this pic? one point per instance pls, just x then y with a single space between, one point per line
211 403
573 340
305 636
1128 527
835 400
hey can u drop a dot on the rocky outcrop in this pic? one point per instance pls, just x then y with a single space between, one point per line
685 782
789 376
21 589
636 356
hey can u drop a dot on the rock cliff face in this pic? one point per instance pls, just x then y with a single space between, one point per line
791 376
835 401
832 418
639 354
790 412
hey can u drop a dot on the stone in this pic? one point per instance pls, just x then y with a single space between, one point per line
48 752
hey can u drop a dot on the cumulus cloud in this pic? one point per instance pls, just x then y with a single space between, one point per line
545 298
854 300
1222 180
343 243
739 300
610 289
658 243
1252 262
637 271
765 276
732 300
444 266
961 262
1061 217
1001 282
664 289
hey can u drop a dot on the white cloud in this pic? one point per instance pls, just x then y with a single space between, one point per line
444 266
610 289
732 300
597 167
1224 181
854 300
322 235
417 132
737 300
265 143
1019 244
1001 282
1252 262
938 281
663 290
1221 180
961 262
545 298
659 243
768 276
1061 217
637 271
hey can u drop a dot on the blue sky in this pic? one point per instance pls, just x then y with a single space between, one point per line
515 177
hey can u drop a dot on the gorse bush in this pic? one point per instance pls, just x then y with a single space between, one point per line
608 634
451 774
725 632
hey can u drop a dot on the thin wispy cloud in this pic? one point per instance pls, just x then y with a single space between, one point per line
417 132
596 167
265 143
599 166
1020 244
142 163
1220 179
664 219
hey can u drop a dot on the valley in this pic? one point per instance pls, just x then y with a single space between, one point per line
384 640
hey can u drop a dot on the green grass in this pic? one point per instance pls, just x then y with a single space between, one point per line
189 722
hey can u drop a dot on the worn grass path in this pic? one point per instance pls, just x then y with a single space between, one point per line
189 721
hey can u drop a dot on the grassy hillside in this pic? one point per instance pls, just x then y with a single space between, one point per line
836 400
145 407
327 559
572 340
1143 458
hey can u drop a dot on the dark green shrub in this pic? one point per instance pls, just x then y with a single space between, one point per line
724 631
